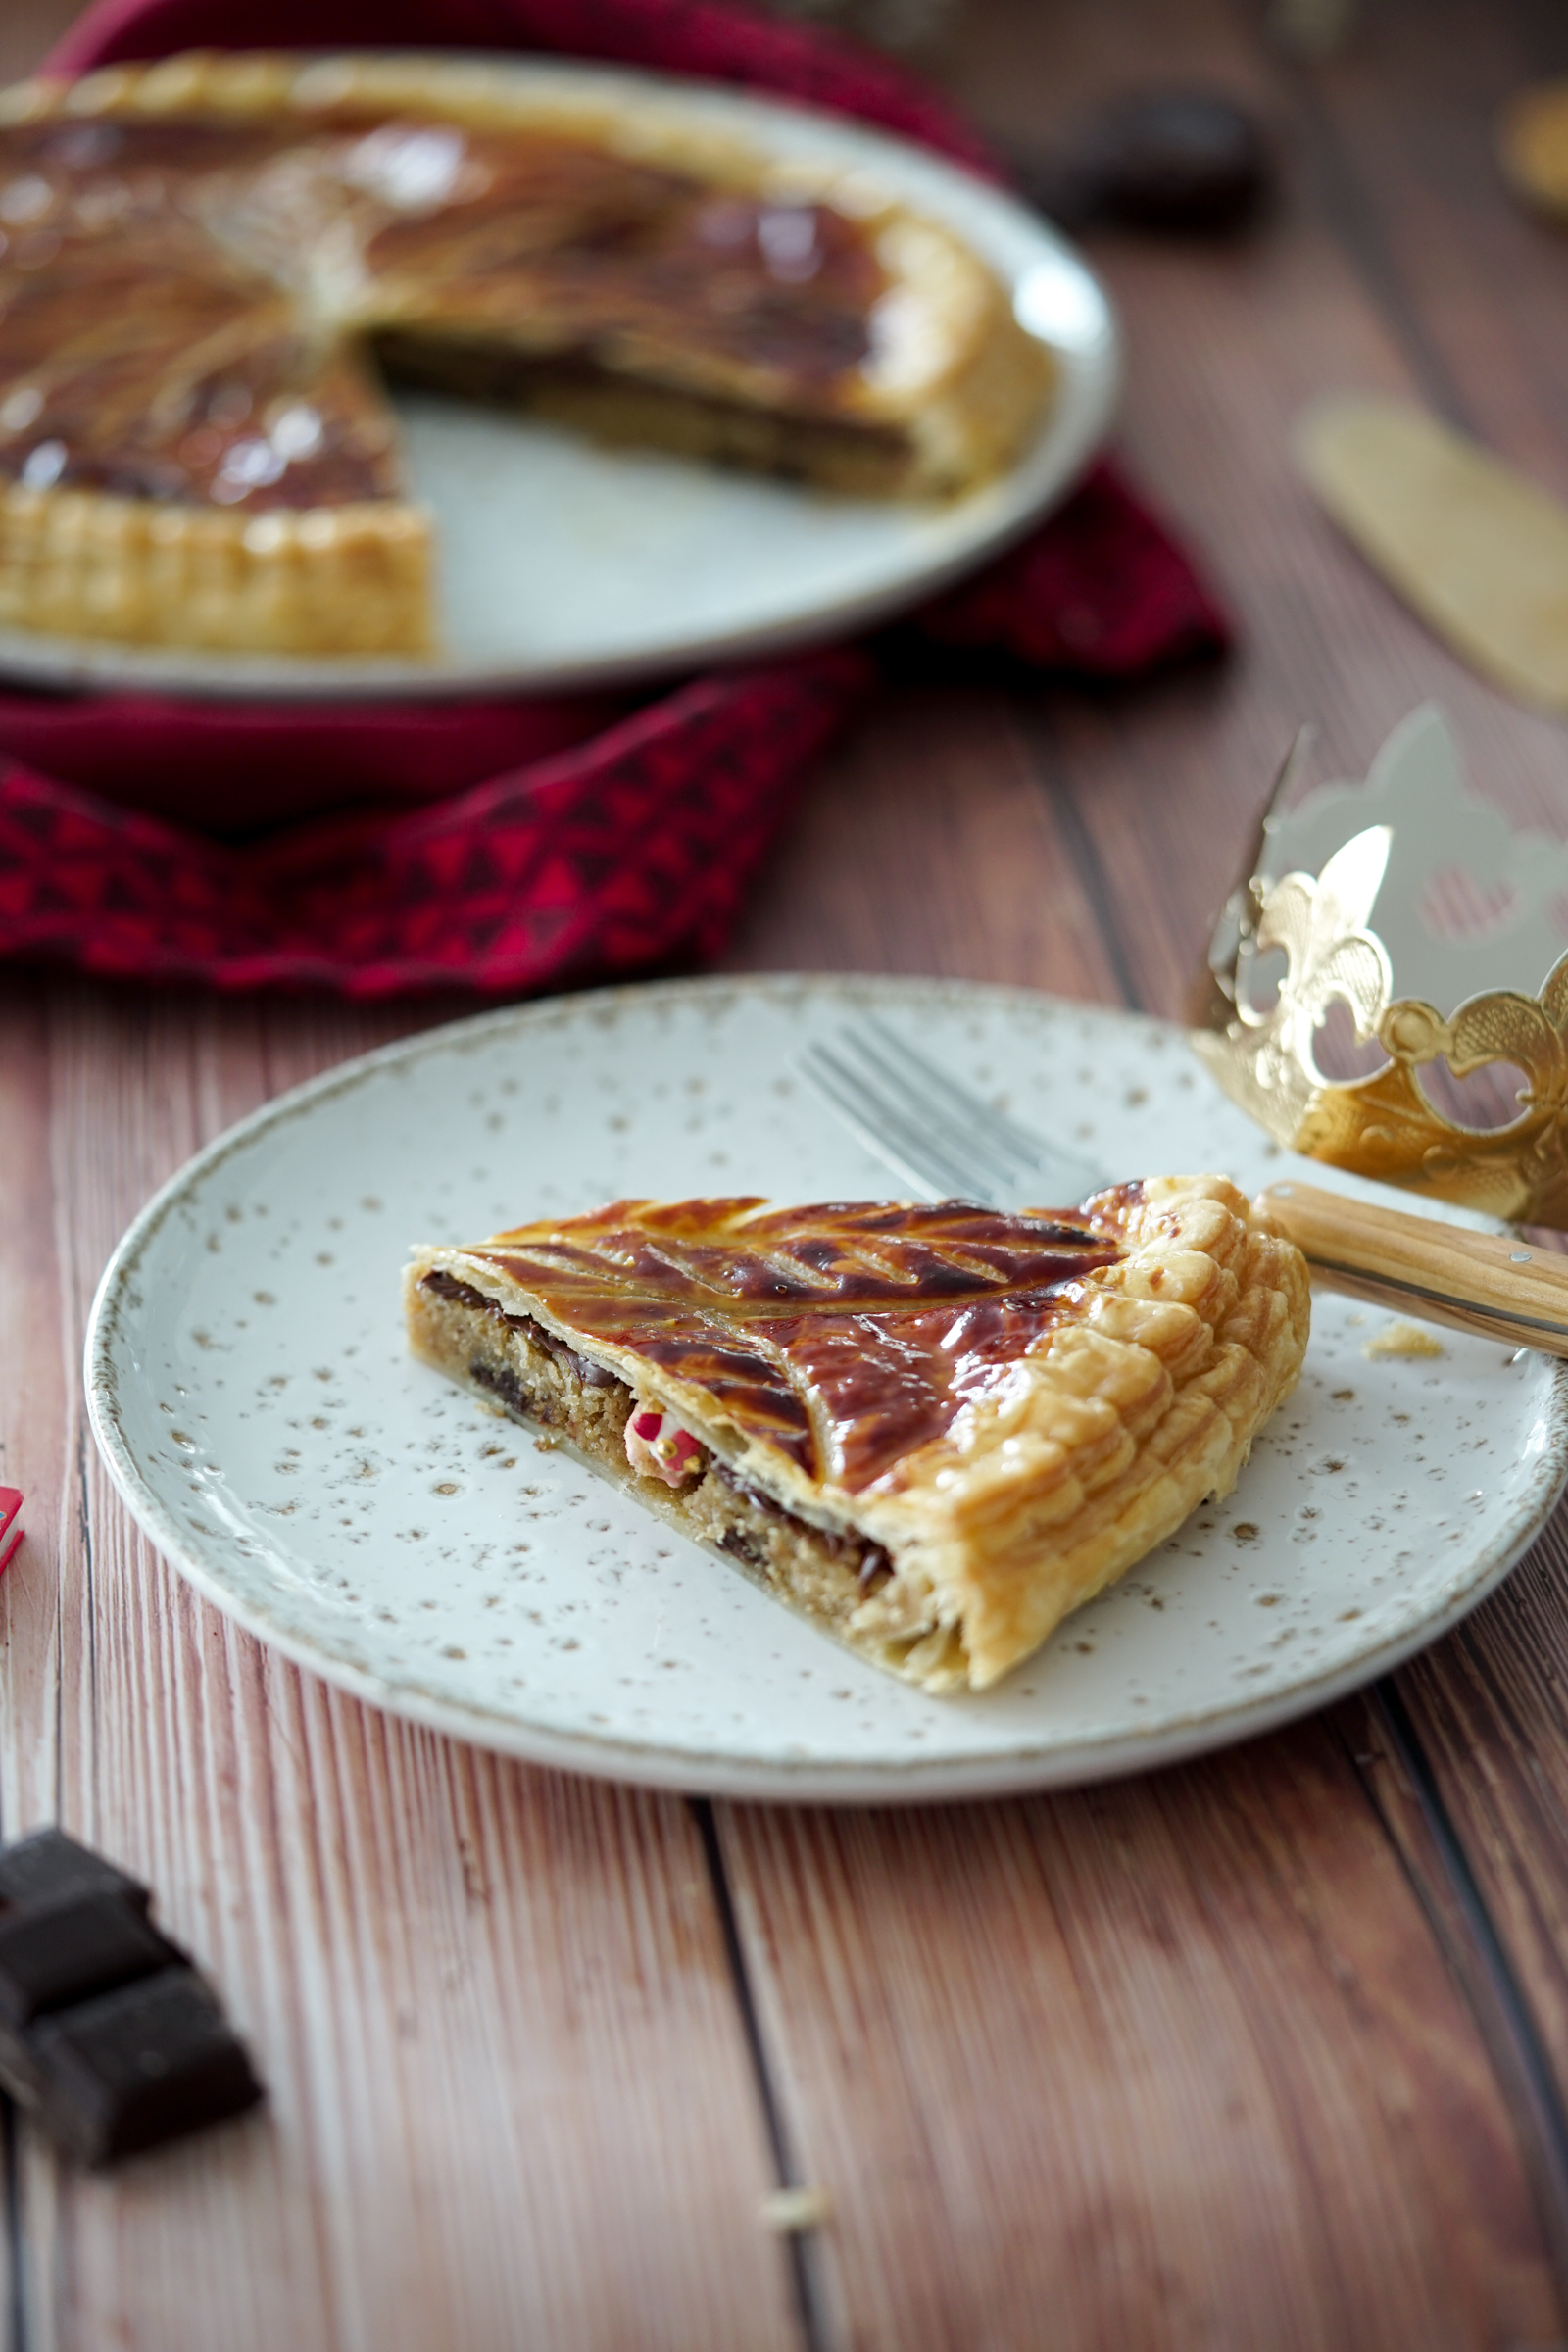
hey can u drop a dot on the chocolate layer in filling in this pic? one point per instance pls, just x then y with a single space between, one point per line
537 1376
867 460
171 293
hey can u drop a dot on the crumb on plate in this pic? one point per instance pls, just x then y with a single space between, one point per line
1403 1339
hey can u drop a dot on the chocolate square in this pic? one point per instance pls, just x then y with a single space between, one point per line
49 1863
81 1943
137 2066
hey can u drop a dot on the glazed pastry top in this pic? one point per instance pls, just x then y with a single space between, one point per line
844 1336
183 301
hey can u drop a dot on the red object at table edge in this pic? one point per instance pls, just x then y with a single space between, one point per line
561 839
10 1533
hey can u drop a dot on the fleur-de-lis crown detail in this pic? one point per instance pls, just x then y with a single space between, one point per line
1384 1125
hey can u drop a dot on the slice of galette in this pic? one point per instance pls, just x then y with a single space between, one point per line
936 1430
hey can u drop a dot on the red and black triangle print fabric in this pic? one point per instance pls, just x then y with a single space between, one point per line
557 842
612 857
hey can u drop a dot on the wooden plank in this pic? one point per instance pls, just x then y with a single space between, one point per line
1404 128
1402 1768
1400 139
1228 342
32 1435
1406 118
1178 2061
32 1456
494 2006
924 844
1170 2062
510 2094
35 1448
980 2054
1490 1705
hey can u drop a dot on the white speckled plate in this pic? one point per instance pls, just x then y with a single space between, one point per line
252 1397
566 564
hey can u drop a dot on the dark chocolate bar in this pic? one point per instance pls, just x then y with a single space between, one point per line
49 1863
105 2029
57 1952
138 2066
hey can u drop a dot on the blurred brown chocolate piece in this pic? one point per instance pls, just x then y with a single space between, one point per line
1190 163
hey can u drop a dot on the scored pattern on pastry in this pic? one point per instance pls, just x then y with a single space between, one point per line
841 1336
207 265
937 1428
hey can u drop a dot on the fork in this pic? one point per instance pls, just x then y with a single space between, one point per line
949 1142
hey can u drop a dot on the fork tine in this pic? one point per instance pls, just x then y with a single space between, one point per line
1009 1134
1014 1149
887 1132
888 1127
944 1107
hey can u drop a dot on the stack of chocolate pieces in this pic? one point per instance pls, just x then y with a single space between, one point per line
107 2031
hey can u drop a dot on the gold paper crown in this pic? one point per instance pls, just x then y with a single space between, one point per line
1391 847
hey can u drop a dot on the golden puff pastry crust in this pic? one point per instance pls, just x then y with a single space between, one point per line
935 1429
209 264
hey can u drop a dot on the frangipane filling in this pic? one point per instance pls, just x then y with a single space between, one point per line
536 1375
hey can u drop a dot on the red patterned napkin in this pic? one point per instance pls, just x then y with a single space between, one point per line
561 839
626 853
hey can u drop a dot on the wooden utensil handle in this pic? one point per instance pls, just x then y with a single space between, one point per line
1499 1286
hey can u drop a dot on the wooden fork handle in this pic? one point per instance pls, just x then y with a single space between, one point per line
1499 1286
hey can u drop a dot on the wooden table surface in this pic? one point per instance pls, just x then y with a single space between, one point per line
1266 2052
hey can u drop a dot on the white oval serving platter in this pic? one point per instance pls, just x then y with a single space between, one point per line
565 563
251 1393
